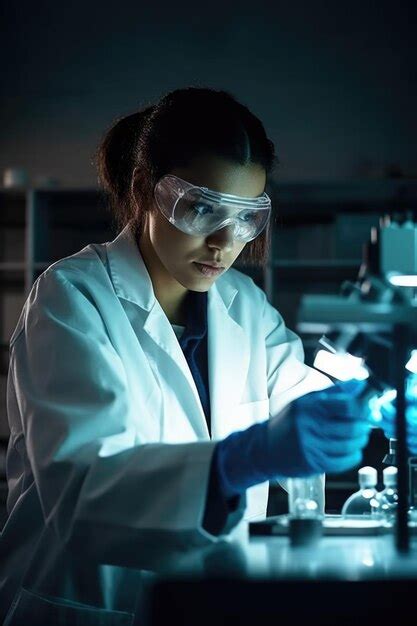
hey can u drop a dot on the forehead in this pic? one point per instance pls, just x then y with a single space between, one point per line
224 176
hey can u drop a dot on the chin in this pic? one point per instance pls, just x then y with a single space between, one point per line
201 288
195 283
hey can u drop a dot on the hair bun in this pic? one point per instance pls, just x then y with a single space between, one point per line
115 156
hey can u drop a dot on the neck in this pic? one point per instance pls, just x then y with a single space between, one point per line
169 292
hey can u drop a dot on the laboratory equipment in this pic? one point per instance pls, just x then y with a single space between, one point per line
359 503
381 319
338 363
398 252
412 512
391 457
305 497
332 525
306 511
385 503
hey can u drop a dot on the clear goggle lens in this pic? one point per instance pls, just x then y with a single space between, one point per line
199 211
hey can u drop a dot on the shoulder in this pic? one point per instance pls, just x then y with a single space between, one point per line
81 271
65 289
79 268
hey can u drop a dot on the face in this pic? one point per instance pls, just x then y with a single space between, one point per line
189 260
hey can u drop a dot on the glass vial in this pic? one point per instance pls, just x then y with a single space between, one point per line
306 497
388 498
306 509
359 503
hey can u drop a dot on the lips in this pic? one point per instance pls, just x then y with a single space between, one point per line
211 264
208 270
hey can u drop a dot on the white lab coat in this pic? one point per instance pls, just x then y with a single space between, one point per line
109 452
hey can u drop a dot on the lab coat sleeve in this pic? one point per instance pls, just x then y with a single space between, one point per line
72 395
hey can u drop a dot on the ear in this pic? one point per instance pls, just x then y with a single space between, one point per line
139 190
139 186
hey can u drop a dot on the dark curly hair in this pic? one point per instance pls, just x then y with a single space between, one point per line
183 125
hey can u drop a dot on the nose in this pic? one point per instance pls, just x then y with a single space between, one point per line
222 239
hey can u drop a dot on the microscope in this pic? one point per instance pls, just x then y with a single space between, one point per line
372 324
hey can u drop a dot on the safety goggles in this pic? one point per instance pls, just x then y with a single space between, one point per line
198 211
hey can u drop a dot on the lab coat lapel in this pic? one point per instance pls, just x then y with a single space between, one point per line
161 332
228 357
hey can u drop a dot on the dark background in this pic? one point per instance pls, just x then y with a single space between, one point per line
332 81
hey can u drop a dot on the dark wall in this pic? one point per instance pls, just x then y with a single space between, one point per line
332 81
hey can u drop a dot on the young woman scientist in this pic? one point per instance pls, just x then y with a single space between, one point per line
143 372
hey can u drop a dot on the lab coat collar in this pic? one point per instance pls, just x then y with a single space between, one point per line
128 271
131 278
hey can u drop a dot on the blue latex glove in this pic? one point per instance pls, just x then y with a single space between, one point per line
388 412
323 431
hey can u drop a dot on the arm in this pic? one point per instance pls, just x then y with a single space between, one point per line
96 482
311 430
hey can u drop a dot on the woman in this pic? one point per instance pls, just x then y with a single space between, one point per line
143 372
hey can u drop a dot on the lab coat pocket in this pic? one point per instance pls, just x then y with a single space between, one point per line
249 413
37 610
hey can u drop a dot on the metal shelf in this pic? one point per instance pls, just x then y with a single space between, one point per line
384 195
4 358
316 263
12 266
12 209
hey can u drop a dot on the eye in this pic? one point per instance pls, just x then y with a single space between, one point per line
246 216
202 209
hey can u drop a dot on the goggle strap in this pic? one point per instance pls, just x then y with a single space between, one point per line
263 202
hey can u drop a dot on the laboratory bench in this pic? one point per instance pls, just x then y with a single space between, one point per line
339 581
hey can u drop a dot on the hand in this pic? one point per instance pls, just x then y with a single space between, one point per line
323 431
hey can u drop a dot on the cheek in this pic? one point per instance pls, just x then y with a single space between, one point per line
238 249
170 243
162 234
